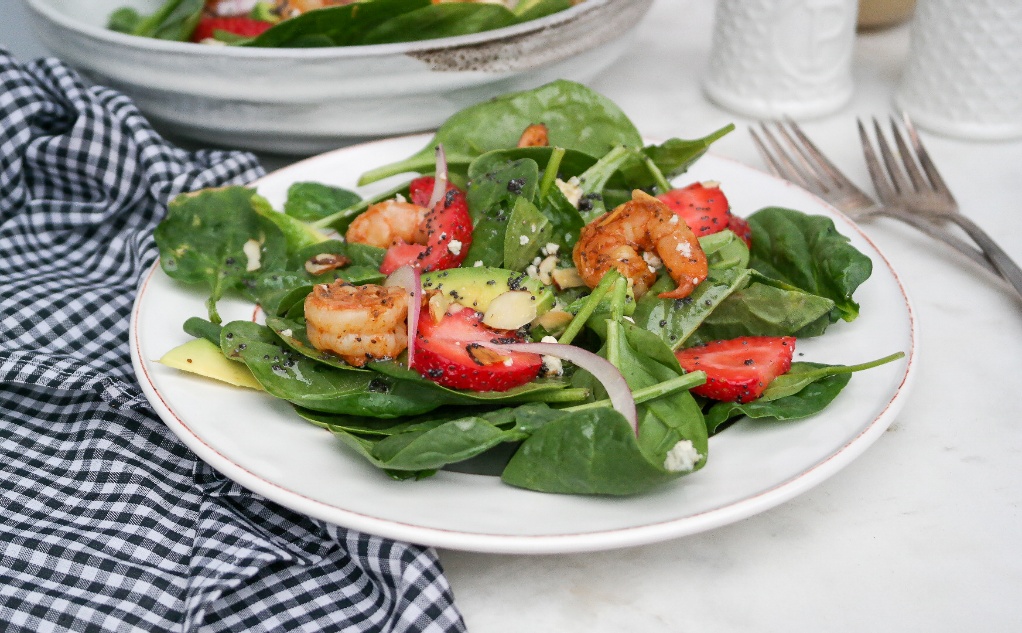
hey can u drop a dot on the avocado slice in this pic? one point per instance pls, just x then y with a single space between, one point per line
201 357
477 287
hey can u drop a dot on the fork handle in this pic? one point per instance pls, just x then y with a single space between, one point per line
940 233
1001 261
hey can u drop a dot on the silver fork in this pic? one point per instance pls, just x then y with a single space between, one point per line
799 161
911 182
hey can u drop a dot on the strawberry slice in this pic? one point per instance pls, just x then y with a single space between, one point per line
705 210
448 353
448 229
238 25
739 369
740 228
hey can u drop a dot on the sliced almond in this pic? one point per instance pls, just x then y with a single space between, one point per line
567 278
438 303
319 264
554 320
511 310
546 267
484 355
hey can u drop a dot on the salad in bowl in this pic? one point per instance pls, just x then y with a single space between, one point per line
315 23
532 288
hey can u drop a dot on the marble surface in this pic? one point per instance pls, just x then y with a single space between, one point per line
921 533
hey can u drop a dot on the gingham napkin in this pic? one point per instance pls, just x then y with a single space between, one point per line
107 521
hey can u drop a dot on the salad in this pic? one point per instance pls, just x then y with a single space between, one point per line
537 292
313 23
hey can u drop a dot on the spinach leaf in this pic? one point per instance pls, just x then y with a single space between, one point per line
577 119
293 334
527 10
587 452
439 20
584 453
299 235
318 386
497 184
675 156
334 26
808 252
762 310
173 20
805 390
311 201
204 239
450 442
528 231
812 399
278 291
675 320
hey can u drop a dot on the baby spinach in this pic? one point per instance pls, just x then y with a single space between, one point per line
344 25
805 390
762 310
675 320
311 201
528 231
434 21
204 239
497 184
293 334
577 119
173 20
808 252
587 452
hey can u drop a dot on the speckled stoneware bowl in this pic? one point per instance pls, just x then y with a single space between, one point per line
304 101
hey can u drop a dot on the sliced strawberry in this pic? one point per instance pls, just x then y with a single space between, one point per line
706 210
448 229
449 353
238 25
740 228
739 369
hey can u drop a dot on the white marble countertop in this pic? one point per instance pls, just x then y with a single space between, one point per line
923 532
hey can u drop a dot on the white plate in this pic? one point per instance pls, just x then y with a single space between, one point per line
259 442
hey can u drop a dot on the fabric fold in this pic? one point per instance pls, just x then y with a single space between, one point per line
109 521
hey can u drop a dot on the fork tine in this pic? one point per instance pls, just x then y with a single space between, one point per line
876 170
924 158
897 176
768 158
919 181
806 159
812 153
780 159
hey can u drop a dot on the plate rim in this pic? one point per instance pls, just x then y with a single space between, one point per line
615 538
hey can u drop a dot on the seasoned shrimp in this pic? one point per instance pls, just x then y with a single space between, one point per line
632 238
358 323
387 223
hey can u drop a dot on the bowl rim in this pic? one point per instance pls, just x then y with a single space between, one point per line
45 10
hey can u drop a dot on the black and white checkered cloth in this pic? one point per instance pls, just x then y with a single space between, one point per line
107 521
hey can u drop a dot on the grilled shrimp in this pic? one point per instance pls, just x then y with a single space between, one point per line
358 323
634 238
387 223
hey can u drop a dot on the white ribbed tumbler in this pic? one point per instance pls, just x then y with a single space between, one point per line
964 73
773 58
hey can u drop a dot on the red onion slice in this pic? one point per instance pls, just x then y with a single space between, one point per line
618 391
440 179
409 278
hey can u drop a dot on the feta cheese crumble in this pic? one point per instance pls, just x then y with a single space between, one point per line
571 189
682 458
253 255
454 246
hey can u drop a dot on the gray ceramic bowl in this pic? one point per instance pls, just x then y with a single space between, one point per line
303 101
